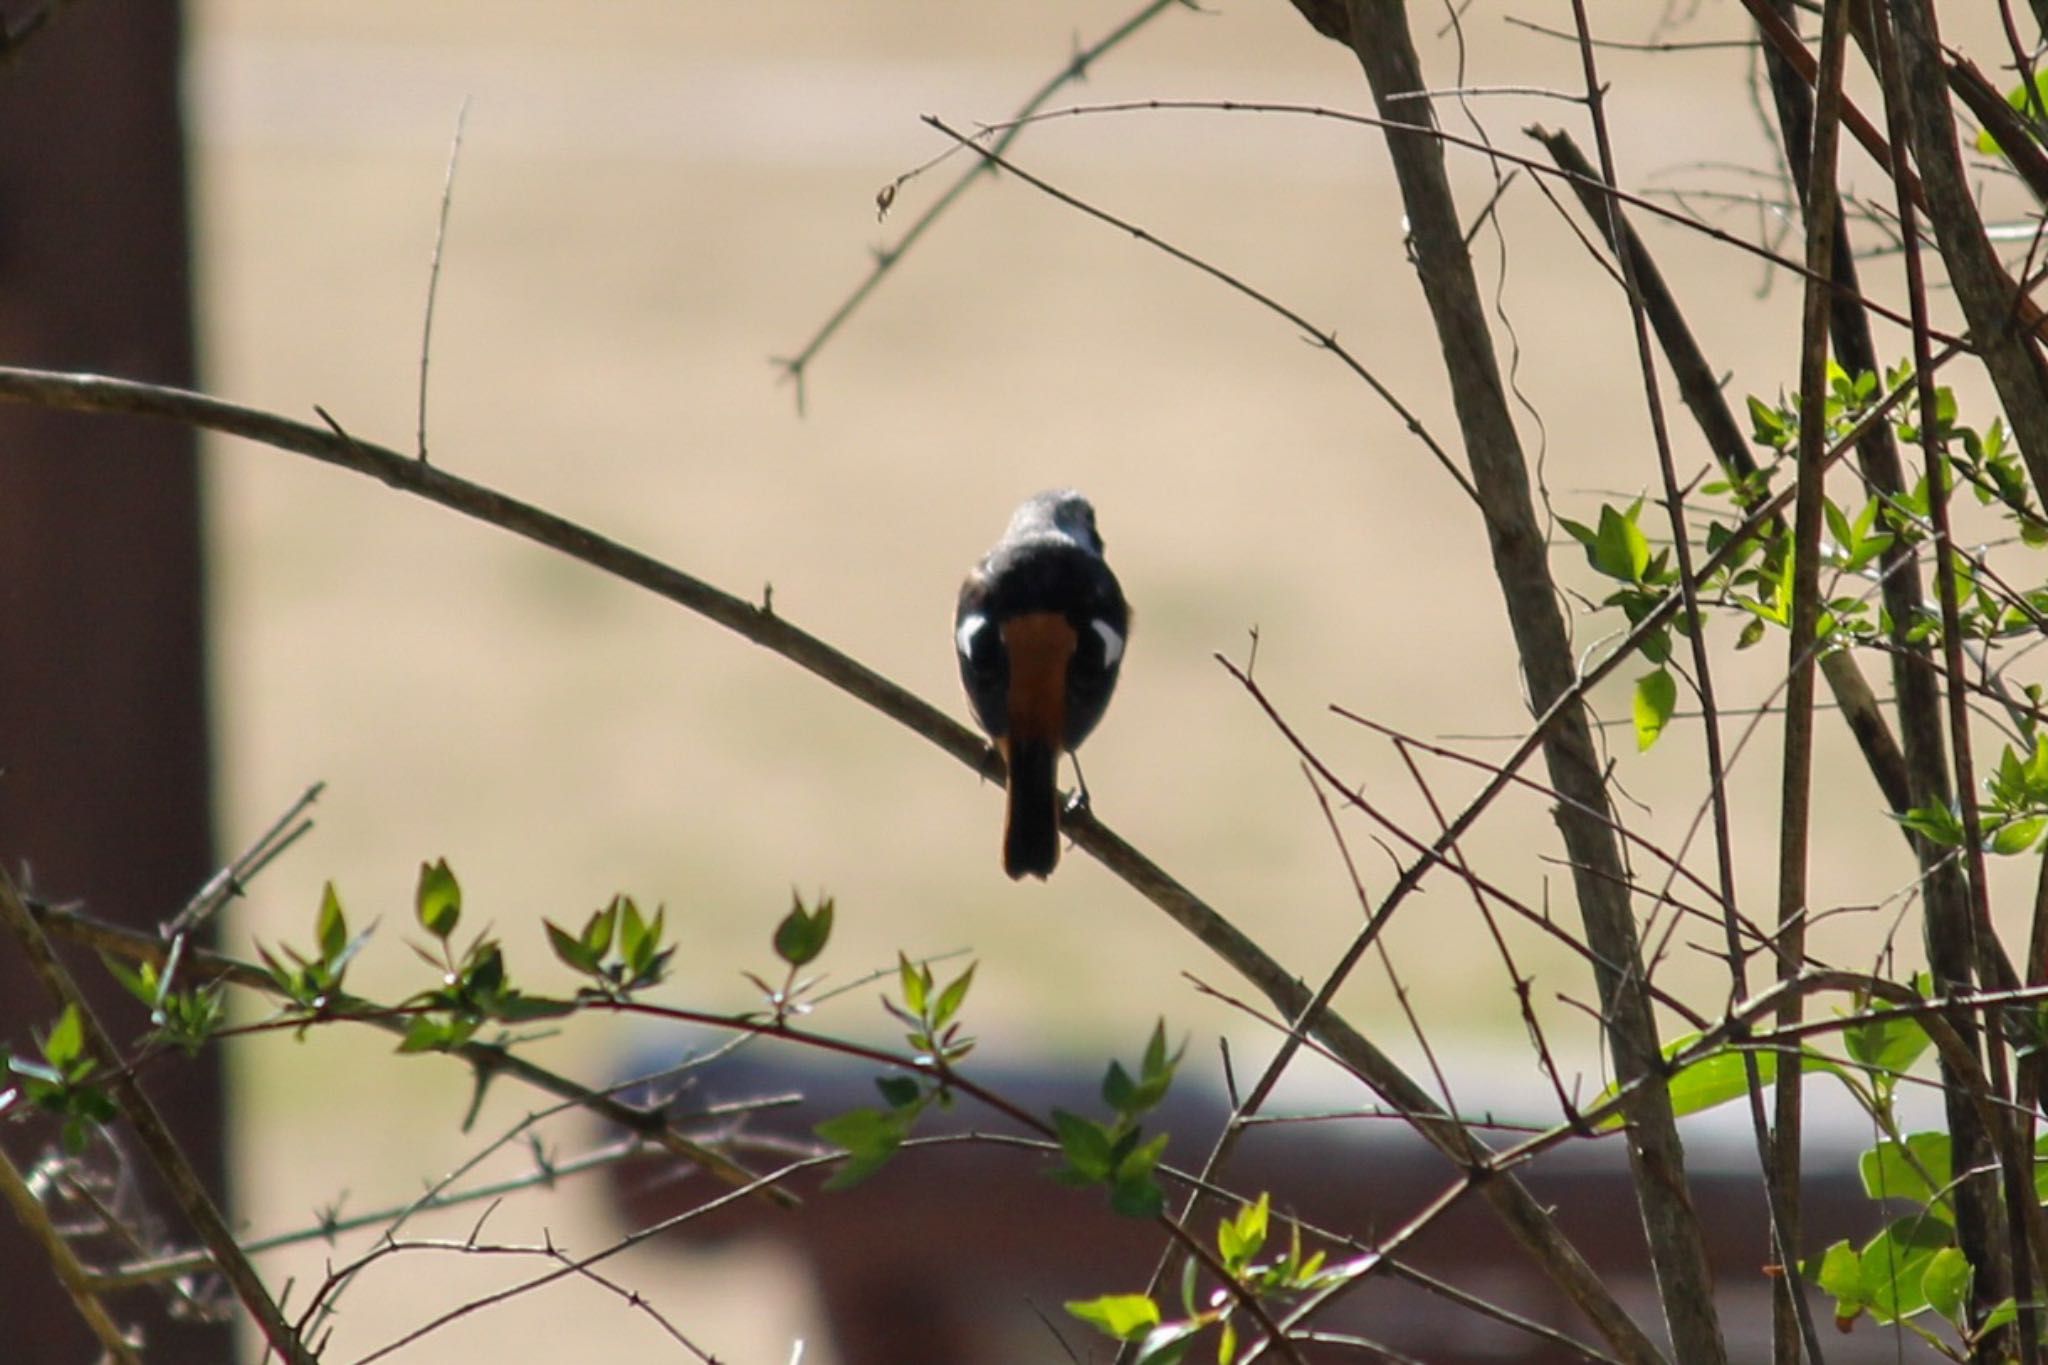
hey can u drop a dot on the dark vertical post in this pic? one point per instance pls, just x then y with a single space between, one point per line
103 739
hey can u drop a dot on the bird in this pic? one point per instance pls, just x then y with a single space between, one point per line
1040 631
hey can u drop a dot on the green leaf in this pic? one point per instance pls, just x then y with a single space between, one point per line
1894 1263
330 927
1890 1171
802 935
1086 1145
1619 549
2006 1311
1715 1079
1241 1238
870 1137
438 901
570 949
1887 1042
1656 696
1118 1089
916 982
1838 525
1767 425
434 1033
1946 1282
1938 824
1125 1317
597 933
65 1043
636 935
951 998
2017 836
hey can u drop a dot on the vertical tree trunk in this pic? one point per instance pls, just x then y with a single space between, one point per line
104 797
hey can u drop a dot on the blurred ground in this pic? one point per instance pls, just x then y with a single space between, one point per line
655 198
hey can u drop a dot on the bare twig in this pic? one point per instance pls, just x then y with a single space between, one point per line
797 367
1322 337
434 274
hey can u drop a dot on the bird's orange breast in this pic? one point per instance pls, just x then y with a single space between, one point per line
1040 644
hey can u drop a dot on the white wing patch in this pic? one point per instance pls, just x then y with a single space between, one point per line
1112 643
963 639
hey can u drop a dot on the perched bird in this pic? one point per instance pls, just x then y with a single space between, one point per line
1040 630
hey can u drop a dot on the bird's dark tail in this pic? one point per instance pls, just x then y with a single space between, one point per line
1031 824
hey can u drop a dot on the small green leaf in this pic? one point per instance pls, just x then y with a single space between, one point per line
2006 1311
330 927
1619 549
1894 1263
1656 697
1938 824
65 1043
1118 1089
1887 1042
1839 1274
2017 836
1892 1172
1946 1282
570 949
438 901
1767 426
951 998
1085 1144
1126 1317
870 1137
917 984
636 936
1241 1238
1718 1077
803 933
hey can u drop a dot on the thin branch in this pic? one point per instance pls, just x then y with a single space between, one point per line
1450 139
434 273
1319 336
797 367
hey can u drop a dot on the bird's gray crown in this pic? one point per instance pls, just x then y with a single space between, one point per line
1060 512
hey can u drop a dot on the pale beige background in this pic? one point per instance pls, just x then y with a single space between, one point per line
655 198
